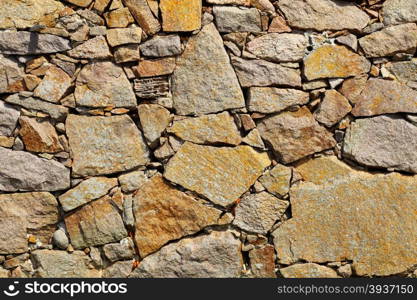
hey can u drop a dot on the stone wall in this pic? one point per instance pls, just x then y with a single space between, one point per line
216 138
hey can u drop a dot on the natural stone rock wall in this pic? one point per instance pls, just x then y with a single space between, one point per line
208 138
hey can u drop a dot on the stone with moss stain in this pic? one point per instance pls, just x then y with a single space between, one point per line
216 255
164 213
367 211
105 145
332 109
382 96
286 47
333 61
96 223
181 15
323 15
390 40
308 270
294 135
382 142
277 180
102 84
221 174
88 190
208 129
39 136
25 14
54 85
270 100
258 212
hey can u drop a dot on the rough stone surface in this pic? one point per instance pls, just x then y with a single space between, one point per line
215 255
285 47
11 75
214 86
26 213
105 145
344 221
212 171
323 15
277 180
258 212
122 36
53 86
385 97
164 213
39 136
156 67
237 19
22 171
60 264
384 142
31 43
181 15
25 14
8 118
123 250
208 129
120 269
352 87
88 190
264 73
132 181
270 100
399 11
262 262
95 48
390 40
294 135
154 119
405 71
332 109
308 270
96 223
161 46
142 13
332 61
102 84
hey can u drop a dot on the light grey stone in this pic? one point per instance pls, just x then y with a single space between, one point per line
237 19
22 171
8 118
60 239
120 269
263 73
161 46
216 255
270 100
132 181
125 249
399 11
30 43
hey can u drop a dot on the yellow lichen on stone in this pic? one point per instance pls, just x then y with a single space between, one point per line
179 15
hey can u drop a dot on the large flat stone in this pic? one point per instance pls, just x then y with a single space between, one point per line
333 61
22 171
383 142
399 11
105 145
216 255
181 15
364 218
25 14
390 40
221 174
323 15
102 84
53 86
60 264
204 81
285 47
31 43
96 223
294 135
164 213
385 97
237 19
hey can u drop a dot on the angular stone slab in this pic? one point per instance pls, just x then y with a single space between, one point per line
221 174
